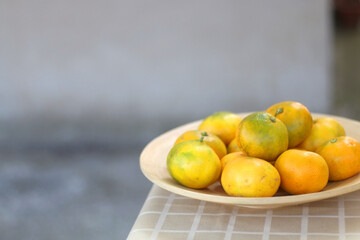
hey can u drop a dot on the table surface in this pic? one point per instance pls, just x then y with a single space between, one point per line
166 215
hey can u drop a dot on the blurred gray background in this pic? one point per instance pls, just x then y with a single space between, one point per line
84 85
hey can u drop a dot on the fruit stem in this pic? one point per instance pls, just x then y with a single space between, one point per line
272 118
204 134
334 140
202 139
278 111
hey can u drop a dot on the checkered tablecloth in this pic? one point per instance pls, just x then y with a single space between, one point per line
166 215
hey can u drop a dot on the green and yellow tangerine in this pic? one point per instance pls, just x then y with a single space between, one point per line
194 164
263 136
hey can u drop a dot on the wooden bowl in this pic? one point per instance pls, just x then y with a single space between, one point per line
153 165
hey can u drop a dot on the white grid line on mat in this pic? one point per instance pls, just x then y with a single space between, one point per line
196 220
304 222
267 225
162 217
231 223
341 212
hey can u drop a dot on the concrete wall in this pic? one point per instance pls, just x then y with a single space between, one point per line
123 70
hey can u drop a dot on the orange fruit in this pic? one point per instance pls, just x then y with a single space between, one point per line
323 130
210 139
262 135
250 177
302 171
297 119
233 146
342 155
230 157
222 124
194 164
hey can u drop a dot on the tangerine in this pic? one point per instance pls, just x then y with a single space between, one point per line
194 164
323 130
230 157
261 135
233 146
250 177
222 124
210 139
342 155
296 117
302 171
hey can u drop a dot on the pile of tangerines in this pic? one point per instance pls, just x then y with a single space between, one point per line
282 147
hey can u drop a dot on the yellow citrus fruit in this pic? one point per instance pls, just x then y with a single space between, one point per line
233 146
210 139
302 171
230 157
222 124
194 164
262 135
297 119
250 177
323 130
342 155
